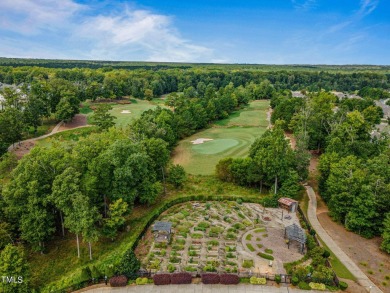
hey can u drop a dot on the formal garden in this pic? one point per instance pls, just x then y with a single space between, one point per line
224 237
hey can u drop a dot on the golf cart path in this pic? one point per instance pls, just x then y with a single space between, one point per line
353 268
54 131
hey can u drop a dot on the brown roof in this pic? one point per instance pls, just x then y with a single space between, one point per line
286 201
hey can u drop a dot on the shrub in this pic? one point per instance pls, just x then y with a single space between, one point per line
300 272
323 274
118 281
269 251
196 236
294 281
129 265
210 278
190 269
85 275
250 247
247 223
247 264
239 200
162 279
311 243
304 286
248 237
204 225
181 278
326 254
278 279
171 268
229 279
192 253
257 281
141 281
343 286
266 256
317 286
109 271
95 273
209 268
213 242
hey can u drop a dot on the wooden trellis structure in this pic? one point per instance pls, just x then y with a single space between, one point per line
296 233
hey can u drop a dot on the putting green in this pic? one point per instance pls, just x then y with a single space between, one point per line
215 146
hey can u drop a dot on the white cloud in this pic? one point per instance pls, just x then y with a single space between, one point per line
137 31
127 34
304 5
366 7
30 17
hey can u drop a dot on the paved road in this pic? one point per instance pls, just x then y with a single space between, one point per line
198 288
353 268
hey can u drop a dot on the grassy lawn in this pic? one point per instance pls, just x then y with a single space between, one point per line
232 137
255 114
61 260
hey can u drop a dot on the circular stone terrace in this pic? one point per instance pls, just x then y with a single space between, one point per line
220 237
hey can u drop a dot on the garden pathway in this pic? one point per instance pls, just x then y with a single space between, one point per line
353 268
198 288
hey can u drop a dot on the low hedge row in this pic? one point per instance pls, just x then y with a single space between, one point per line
210 279
266 256
181 278
162 279
229 279
186 278
118 281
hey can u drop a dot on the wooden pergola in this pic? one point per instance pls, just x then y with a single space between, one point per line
162 231
296 233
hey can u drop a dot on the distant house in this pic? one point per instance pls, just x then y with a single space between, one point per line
288 204
162 231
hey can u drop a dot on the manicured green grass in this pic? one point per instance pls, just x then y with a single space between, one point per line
251 115
232 137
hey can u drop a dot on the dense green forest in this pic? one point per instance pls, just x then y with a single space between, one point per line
354 165
56 92
89 187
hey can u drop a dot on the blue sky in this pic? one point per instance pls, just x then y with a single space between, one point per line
222 31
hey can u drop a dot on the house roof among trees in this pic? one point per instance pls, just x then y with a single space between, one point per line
294 232
162 226
286 201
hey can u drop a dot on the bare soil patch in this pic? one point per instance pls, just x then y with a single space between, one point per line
77 121
364 252
23 148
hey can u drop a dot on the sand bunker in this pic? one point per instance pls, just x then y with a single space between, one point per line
200 140
126 112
